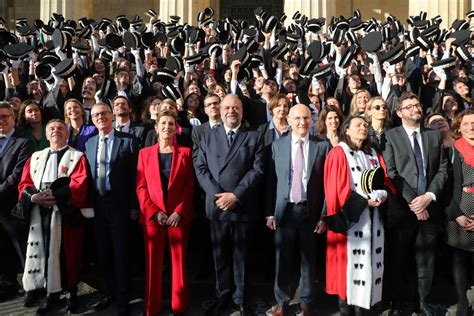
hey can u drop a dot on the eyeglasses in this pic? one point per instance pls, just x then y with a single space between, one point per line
104 113
411 107
4 117
378 107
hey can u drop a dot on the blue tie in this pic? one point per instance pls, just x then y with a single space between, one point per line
421 185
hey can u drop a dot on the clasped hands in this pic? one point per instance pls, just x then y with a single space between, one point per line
466 223
44 198
165 220
226 201
419 206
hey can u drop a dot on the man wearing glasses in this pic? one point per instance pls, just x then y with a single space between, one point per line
418 169
112 157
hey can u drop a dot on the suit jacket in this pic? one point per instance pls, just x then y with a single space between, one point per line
238 169
138 130
179 198
123 168
402 170
12 160
255 112
196 136
279 183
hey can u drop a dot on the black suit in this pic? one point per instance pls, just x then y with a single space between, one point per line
12 159
406 234
112 211
138 130
237 169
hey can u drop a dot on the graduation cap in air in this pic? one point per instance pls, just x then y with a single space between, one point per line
371 42
65 68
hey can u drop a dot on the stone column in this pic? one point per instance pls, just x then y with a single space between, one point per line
69 9
449 10
314 8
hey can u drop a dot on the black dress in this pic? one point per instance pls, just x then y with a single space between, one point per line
462 203
165 160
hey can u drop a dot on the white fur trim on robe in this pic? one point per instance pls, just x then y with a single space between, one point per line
365 241
34 274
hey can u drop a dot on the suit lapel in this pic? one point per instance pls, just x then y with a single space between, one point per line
115 147
287 154
425 145
154 164
221 146
93 144
312 151
240 136
174 165
9 144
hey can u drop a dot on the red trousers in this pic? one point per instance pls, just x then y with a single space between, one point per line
155 240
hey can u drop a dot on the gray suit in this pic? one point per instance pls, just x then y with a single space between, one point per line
295 223
406 232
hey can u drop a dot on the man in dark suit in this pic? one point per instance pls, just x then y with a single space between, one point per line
229 167
14 151
297 207
112 157
417 167
211 108
123 123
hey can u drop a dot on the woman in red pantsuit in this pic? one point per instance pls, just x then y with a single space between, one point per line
165 185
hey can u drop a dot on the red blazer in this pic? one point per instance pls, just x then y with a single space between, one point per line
180 185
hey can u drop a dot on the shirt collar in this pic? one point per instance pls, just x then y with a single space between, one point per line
295 139
9 134
211 124
227 129
110 135
410 131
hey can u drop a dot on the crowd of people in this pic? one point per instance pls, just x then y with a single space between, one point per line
356 132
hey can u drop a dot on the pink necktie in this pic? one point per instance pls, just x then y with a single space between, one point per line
297 178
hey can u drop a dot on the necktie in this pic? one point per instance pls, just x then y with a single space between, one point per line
297 177
102 166
216 126
120 127
421 185
230 137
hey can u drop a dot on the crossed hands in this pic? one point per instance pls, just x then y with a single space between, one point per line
165 220
419 206
226 201
44 198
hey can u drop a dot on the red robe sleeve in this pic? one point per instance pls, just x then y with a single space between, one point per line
79 184
337 189
26 181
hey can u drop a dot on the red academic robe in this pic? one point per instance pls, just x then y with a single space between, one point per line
73 236
337 187
179 200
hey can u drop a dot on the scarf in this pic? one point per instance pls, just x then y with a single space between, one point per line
466 150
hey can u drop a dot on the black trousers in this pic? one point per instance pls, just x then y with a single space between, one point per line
412 249
111 233
294 239
229 248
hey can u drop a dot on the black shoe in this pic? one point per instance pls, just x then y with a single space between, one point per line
243 309
102 304
48 304
30 299
217 307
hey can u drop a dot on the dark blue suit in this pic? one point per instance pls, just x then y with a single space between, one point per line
237 169
12 159
112 212
295 223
